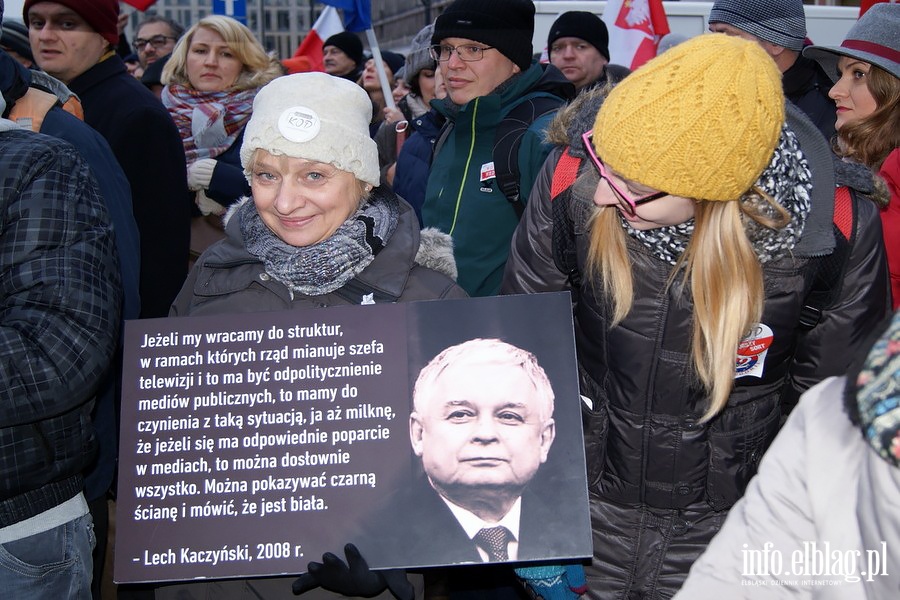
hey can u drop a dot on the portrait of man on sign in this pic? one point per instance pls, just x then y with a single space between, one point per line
482 425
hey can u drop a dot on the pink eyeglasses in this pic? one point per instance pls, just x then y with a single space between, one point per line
628 204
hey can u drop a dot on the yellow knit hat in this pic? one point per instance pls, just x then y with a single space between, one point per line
701 120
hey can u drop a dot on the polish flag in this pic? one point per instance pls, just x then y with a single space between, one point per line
141 5
635 28
328 24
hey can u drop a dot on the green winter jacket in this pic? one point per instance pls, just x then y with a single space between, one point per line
463 198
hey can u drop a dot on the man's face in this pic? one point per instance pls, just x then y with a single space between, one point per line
481 427
579 61
152 41
466 81
63 44
336 61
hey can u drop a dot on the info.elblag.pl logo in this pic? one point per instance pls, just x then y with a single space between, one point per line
815 563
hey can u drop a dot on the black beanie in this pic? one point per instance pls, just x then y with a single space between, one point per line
393 60
348 43
582 25
507 25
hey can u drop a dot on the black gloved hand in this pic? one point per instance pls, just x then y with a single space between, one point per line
353 578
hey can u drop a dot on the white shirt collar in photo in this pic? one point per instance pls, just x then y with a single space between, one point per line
472 524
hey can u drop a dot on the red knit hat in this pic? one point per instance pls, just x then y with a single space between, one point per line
101 15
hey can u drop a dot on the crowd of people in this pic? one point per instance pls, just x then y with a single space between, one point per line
725 219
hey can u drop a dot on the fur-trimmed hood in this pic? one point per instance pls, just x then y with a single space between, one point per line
575 118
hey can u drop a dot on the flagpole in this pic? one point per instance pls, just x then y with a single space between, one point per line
379 66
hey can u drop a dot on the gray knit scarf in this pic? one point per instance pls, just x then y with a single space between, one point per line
787 179
328 265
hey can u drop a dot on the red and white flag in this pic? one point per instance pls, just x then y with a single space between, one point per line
141 5
635 28
328 24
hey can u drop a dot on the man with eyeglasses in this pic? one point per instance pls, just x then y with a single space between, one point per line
479 181
155 38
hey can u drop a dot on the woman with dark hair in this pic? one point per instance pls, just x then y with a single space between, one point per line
866 72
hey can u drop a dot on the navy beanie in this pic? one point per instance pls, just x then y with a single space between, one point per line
507 25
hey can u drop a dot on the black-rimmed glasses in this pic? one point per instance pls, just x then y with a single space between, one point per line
628 204
465 52
157 41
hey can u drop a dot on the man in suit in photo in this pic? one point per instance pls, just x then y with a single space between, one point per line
482 425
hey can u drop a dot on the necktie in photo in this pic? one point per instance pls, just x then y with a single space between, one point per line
494 540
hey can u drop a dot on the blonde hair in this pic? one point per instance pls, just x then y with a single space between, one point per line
722 269
259 67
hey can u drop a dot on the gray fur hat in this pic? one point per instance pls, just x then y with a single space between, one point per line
780 22
874 38
317 117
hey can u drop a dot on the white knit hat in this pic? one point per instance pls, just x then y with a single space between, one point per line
317 117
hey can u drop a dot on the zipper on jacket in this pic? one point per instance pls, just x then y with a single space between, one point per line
465 174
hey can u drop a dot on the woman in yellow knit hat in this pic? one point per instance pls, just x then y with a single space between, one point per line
682 216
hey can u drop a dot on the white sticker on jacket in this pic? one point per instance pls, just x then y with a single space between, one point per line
751 354
487 171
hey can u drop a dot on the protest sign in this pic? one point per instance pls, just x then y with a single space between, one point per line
252 443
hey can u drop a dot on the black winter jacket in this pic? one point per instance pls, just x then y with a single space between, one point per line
655 473
147 145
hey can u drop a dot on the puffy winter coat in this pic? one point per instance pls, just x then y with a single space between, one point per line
228 279
660 481
822 496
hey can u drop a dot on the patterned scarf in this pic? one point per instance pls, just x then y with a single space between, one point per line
328 265
878 394
209 122
787 180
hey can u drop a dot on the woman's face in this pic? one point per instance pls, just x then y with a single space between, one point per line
370 81
426 84
400 90
662 212
851 93
211 65
303 202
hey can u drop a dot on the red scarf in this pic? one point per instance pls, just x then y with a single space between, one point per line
209 122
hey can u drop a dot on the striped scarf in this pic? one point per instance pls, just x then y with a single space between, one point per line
209 122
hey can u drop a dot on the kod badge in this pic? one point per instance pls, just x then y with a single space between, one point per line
299 124
751 354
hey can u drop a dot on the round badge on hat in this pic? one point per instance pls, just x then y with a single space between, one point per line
299 124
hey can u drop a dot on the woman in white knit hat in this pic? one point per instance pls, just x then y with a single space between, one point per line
317 232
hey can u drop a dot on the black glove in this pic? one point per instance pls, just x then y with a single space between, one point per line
353 578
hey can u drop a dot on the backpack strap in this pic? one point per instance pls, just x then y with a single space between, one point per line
830 274
564 174
564 251
29 110
509 137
